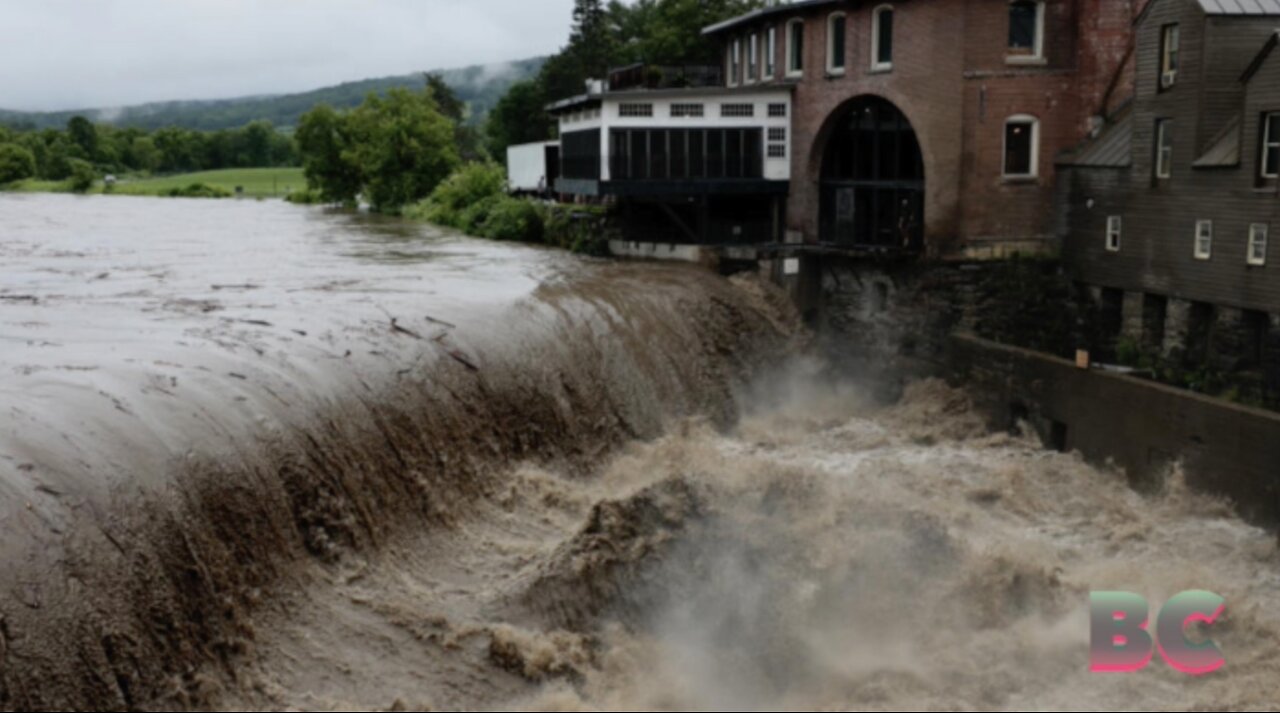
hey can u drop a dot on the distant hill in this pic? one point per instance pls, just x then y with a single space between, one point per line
480 86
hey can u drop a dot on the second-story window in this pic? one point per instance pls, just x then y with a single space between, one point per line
1021 147
770 52
1164 149
735 62
1204 239
836 43
1258 244
1114 226
882 38
1270 160
753 57
1169 53
795 47
1026 30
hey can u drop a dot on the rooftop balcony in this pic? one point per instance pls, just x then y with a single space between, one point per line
652 76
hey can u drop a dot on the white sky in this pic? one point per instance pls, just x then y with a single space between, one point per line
76 54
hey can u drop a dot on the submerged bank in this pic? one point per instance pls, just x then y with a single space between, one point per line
200 398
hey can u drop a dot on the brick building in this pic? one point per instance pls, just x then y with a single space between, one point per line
925 125
1169 209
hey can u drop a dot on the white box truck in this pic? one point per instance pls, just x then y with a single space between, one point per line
532 169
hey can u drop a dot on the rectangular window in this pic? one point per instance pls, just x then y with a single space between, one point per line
882 38
1258 244
686 110
795 47
635 110
753 57
1114 224
737 110
1204 239
770 52
776 134
836 43
1020 147
1271 145
1024 28
777 150
1169 51
777 110
1164 149
735 62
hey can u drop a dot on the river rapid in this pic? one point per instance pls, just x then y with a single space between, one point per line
257 456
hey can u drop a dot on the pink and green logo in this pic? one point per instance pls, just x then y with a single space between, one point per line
1120 641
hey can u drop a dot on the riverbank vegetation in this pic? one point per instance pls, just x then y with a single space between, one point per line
225 183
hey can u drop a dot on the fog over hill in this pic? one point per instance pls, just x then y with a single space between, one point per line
480 86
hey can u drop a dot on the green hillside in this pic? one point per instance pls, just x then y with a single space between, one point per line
480 86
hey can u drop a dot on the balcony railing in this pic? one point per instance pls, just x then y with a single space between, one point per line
653 76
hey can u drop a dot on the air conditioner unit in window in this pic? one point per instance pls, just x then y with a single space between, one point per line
1168 78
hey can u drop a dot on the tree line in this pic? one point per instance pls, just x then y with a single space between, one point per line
54 155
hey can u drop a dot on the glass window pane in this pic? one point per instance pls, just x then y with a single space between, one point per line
1017 148
1022 25
884 46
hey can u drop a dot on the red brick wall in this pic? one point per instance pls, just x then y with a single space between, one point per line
951 79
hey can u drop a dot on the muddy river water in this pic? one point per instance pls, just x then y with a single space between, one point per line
258 456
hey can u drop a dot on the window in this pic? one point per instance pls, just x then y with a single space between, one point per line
777 110
753 57
777 134
635 110
770 52
1270 164
1164 149
777 150
1026 30
1114 224
737 110
1169 49
1258 244
735 62
836 35
686 110
882 38
1021 147
795 47
1204 239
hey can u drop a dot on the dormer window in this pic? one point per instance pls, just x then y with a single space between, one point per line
882 39
836 35
1169 53
1026 30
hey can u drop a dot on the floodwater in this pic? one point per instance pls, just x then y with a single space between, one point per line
256 456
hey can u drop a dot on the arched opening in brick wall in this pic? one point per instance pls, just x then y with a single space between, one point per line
872 179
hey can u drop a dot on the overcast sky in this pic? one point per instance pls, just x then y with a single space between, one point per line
73 54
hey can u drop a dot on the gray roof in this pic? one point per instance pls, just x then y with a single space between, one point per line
1224 152
774 10
1111 148
1241 7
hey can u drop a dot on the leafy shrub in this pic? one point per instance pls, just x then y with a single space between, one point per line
463 189
580 229
198 190
83 175
513 219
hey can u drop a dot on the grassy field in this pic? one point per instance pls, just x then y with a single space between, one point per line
256 182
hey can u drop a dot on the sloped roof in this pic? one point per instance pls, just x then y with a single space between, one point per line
772 10
1111 148
1224 151
1241 7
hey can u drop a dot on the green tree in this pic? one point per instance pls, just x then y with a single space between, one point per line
83 175
85 135
327 148
519 117
404 147
16 163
